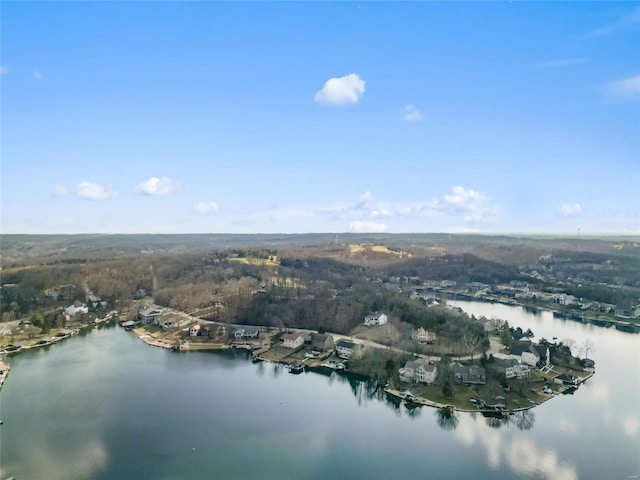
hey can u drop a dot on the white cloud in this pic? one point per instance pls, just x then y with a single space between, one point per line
3 70
367 227
563 62
626 89
37 75
463 199
205 208
569 209
383 212
60 191
94 191
366 197
341 90
411 113
157 186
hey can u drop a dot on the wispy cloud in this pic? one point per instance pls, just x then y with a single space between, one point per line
569 209
625 89
3 70
93 191
60 191
626 21
37 75
205 208
411 113
563 62
157 186
341 90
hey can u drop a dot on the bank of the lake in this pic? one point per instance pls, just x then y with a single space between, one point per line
103 405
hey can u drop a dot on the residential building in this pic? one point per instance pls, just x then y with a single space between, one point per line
319 342
527 352
511 367
423 335
345 348
246 332
76 308
375 318
469 374
150 315
292 340
625 311
194 331
418 371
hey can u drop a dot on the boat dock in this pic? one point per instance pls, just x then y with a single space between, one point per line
4 371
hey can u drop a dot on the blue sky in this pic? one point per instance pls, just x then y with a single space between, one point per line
259 117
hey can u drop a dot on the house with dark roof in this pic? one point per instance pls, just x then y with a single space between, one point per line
626 311
511 367
566 380
246 332
150 315
527 352
319 342
345 348
469 374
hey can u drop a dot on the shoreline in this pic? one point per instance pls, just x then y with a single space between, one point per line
257 355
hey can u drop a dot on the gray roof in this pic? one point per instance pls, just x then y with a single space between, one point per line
505 362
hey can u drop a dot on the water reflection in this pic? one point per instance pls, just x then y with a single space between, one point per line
447 418
524 419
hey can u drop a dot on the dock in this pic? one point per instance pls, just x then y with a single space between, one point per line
4 371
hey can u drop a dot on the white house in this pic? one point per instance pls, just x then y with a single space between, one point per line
194 330
345 348
292 340
418 371
76 308
375 318
527 353
246 332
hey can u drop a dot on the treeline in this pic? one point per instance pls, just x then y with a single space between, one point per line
463 268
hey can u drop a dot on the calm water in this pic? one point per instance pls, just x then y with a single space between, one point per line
106 406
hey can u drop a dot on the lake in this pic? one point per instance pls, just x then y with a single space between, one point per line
104 405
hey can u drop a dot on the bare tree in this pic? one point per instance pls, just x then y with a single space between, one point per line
587 346
569 342
471 343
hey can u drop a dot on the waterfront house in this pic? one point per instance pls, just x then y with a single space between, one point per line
566 380
511 367
418 371
150 315
246 332
319 342
527 353
423 335
292 340
194 331
625 311
469 374
588 363
543 352
76 308
345 348
374 319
